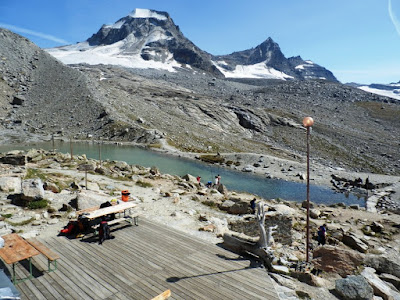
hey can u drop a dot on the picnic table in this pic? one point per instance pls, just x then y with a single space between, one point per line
124 207
17 249
124 210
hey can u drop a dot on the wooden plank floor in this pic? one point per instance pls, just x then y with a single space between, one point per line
140 263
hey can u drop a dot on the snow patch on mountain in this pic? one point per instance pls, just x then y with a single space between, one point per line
109 55
260 70
146 13
308 63
395 93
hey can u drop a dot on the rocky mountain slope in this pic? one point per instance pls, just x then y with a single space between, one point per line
195 112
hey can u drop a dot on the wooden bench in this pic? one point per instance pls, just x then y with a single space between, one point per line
51 256
131 219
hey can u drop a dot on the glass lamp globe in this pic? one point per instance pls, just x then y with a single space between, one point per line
308 122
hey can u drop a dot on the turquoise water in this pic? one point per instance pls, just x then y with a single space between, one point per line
233 180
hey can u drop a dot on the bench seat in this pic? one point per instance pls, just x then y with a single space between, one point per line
51 256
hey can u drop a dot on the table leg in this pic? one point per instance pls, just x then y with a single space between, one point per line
30 268
13 273
14 277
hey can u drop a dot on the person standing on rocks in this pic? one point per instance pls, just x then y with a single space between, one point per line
322 235
216 181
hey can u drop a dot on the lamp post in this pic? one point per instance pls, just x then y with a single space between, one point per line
307 123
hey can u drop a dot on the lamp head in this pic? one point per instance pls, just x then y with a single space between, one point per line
308 122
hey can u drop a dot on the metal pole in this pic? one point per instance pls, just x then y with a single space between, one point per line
308 194
52 141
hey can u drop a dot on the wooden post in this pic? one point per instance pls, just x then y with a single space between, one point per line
70 147
100 151
52 141
86 179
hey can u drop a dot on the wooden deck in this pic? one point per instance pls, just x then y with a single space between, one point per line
142 262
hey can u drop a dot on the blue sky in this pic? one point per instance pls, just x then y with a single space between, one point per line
358 40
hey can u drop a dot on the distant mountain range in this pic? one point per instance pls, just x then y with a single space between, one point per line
391 90
150 39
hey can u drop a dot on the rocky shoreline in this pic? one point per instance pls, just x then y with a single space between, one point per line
361 243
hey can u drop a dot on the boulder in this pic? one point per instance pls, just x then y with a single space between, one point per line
391 279
51 186
10 184
333 259
354 242
154 171
190 178
248 169
18 100
315 213
308 278
239 208
381 289
102 170
222 189
354 288
32 189
13 158
281 209
226 205
383 264
122 166
87 198
377 227
304 204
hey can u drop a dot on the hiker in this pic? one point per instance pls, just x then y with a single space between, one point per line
198 179
253 205
216 180
209 184
104 232
321 235
219 179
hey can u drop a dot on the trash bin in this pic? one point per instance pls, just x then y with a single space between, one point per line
125 195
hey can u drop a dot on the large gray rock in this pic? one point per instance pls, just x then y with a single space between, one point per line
222 189
87 198
13 158
190 178
391 279
226 205
354 242
239 208
354 288
383 264
32 189
10 184
381 289
333 259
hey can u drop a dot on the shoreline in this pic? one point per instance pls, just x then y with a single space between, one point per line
272 167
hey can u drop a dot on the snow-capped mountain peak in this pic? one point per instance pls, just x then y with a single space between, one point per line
149 39
148 13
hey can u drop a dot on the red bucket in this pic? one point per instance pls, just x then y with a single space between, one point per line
125 195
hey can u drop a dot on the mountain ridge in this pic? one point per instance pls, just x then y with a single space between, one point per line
149 38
